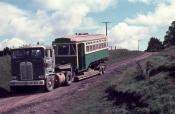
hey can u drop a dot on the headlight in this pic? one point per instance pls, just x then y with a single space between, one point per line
41 76
14 77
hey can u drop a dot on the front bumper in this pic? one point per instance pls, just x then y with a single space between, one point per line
27 83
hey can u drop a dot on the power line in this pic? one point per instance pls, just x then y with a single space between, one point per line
106 24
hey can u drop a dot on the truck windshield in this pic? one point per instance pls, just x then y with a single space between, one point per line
66 49
27 53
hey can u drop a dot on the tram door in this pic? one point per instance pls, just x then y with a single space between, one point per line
81 56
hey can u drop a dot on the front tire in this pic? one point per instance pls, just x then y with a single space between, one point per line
13 89
68 78
49 83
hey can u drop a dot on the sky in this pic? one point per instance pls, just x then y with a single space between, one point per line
30 21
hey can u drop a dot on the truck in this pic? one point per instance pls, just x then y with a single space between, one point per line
70 58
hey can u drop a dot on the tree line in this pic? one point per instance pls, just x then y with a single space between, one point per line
5 51
155 44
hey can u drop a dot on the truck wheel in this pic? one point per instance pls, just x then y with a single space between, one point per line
50 82
13 89
68 78
102 70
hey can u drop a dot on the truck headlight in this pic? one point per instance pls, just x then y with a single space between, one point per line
41 76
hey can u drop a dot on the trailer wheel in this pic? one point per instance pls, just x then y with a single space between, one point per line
102 70
50 82
68 78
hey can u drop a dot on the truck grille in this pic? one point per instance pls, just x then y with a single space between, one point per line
26 71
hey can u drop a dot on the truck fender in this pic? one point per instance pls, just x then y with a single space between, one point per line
59 78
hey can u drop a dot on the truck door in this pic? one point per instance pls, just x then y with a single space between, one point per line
81 56
49 61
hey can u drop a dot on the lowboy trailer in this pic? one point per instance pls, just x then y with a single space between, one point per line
70 58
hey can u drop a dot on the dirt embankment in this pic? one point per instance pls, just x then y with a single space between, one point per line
43 102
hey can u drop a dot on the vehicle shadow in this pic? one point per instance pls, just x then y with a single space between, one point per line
4 93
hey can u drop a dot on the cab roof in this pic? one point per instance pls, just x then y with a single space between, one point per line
34 46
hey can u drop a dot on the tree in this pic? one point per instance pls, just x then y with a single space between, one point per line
154 45
169 39
6 51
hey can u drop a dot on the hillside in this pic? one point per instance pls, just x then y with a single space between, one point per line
130 92
121 54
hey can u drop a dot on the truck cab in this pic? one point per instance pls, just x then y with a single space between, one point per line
32 66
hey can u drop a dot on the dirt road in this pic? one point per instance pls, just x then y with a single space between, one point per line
42 103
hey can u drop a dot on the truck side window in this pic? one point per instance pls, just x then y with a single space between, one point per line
47 53
51 53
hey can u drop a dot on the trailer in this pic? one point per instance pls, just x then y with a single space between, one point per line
70 58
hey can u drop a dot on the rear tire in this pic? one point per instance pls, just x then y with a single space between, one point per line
49 83
68 78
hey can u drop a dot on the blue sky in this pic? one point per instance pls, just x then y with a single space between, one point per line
29 21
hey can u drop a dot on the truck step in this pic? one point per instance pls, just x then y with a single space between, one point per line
87 74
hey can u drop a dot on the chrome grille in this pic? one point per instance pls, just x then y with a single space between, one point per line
26 71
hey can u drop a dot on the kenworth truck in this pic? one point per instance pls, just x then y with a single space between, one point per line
70 58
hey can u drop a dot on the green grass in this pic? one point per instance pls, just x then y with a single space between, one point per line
125 93
5 72
156 93
121 54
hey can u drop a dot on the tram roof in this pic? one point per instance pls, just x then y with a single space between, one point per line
84 37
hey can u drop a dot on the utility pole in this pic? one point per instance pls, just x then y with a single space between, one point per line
106 24
138 44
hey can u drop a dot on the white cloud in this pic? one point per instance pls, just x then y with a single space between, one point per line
144 1
150 1
19 23
75 6
162 16
126 36
71 15
53 18
14 42
127 33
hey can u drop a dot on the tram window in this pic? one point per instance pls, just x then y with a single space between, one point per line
66 49
63 49
96 46
104 45
100 45
72 48
90 47
93 47
87 48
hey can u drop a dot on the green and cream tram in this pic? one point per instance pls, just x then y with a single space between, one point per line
82 52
